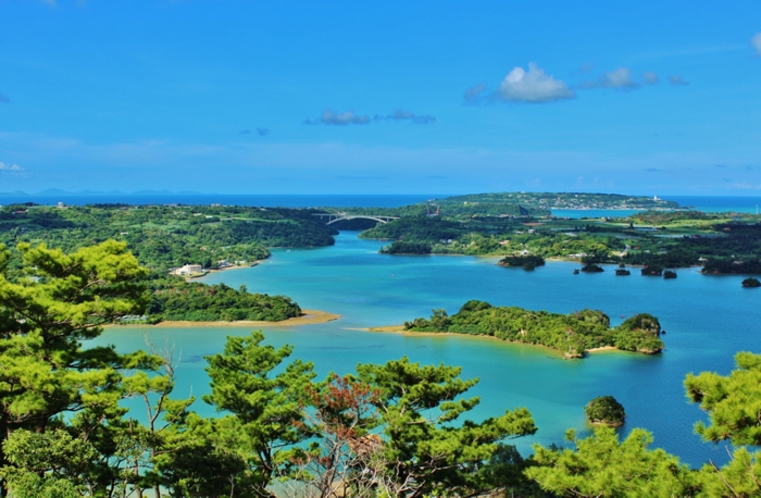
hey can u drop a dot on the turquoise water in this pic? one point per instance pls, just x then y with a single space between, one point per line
707 320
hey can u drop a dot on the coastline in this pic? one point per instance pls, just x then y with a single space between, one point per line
308 317
399 329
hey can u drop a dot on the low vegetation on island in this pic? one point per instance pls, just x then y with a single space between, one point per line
394 429
605 410
572 334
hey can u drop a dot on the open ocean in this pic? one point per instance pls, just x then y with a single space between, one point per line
745 204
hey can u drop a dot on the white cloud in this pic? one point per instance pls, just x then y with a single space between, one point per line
650 78
342 119
620 78
533 86
756 42
10 167
677 80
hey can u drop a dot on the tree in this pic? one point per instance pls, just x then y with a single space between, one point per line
343 461
60 301
733 404
600 465
266 409
422 451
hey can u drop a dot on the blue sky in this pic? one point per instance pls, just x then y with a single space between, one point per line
644 97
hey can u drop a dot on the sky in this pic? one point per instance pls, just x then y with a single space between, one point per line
336 97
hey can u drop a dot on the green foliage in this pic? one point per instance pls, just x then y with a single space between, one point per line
572 334
422 453
419 228
169 236
605 410
404 247
751 282
600 465
733 403
52 464
174 299
43 321
265 409
527 262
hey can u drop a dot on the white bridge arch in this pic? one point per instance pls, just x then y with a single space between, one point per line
332 218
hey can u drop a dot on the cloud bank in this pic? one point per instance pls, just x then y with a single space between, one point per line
534 86
4 97
677 80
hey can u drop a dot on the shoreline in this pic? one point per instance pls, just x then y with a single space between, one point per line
399 329
308 317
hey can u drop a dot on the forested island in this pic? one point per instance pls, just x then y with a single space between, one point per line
572 334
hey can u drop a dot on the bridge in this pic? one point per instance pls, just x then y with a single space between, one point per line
334 217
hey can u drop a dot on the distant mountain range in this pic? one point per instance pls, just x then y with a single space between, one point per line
56 191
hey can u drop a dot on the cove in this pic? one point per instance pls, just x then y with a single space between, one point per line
707 320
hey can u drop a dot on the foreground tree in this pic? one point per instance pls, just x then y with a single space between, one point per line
733 404
60 301
425 449
265 408
600 465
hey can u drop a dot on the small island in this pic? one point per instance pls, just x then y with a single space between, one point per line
528 261
605 410
573 334
751 283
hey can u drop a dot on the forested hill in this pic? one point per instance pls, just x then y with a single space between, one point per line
163 237
166 237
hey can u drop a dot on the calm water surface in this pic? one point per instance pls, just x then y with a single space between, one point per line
707 320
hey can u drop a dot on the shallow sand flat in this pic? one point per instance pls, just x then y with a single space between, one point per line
307 317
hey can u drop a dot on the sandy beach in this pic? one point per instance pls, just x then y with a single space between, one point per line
308 317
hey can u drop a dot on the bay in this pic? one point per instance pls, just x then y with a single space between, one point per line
707 320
